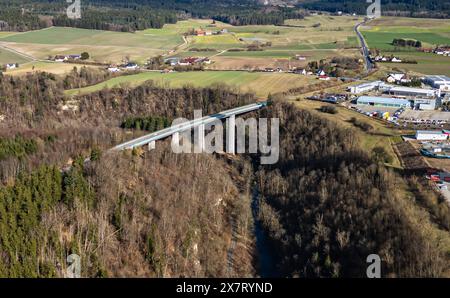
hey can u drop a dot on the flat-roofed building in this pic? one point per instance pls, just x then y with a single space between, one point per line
412 92
431 135
439 82
426 104
365 87
387 102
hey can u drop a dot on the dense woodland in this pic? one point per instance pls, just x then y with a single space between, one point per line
416 8
326 206
114 15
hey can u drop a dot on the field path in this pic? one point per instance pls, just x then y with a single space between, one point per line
18 53
220 53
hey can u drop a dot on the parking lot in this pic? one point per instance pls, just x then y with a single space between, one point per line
410 115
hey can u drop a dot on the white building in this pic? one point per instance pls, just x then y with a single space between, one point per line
321 72
408 91
61 58
366 87
439 82
395 77
113 69
426 104
430 135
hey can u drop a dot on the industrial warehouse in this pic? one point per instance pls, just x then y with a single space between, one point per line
383 102
439 82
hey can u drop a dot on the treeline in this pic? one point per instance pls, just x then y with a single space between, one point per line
14 19
401 42
259 18
326 206
417 8
124 20
150 123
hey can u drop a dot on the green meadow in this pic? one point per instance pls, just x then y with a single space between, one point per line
380 33
75 36
260 83
383 40
10 57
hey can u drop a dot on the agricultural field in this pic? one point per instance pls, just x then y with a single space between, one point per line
282 59
298 37
314 37
260 83
427 63
47 66
103 46
379 34
11 57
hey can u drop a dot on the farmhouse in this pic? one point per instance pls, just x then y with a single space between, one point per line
200 32
113 69
60 58
442 51
11 65
439 82
131 66
188 61
383 102
397 78
74 57
301 71
172 61
431 135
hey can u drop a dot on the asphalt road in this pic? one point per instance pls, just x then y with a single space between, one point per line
365 49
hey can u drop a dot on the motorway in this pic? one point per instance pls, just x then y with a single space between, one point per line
166 132
365 49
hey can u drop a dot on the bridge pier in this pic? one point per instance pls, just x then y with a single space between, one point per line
231 134
151 145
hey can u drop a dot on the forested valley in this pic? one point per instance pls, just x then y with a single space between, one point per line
324 206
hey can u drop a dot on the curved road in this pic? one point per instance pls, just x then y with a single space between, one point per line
365 49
